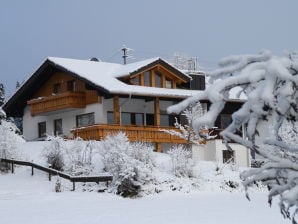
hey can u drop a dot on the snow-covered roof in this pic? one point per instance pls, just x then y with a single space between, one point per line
105 75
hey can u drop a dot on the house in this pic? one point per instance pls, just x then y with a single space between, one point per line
91 99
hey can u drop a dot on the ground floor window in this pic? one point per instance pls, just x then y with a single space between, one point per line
42 129
58 127
228 156
84 120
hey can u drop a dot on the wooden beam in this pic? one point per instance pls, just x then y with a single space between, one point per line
158 147
156 112
152 78
116 110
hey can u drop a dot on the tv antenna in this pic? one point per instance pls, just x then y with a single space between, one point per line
125 53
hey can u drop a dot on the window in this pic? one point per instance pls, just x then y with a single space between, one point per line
136 80
157 80
164 120
84 120
225 120
139 119
169 84
57 88
147 78
58 127
42 129
228 156
125 118
71 85
149 119
132 118
167 120
110 117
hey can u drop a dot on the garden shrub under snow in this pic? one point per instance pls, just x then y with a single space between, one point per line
130 164
182 163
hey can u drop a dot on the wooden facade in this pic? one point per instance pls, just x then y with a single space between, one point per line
57 102
62 91
150 134
156 71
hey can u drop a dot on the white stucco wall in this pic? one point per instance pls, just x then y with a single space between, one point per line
30 124
212 151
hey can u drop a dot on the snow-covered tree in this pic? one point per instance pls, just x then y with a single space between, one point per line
9 140
186 131
270 84
2 94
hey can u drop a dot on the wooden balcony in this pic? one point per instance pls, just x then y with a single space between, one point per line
61 101
134 133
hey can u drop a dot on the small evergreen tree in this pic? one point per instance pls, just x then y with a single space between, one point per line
2 94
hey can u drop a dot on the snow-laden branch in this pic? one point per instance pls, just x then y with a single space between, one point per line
270 85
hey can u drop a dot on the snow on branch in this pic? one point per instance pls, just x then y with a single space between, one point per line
270 85
187 131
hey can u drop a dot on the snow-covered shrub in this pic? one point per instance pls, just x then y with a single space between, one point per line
130 164
54 152
72 156
142 152
182 162
78 156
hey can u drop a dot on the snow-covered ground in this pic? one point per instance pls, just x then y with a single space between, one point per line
30 199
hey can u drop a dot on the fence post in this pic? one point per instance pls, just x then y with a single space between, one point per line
50 176
73 186
12 166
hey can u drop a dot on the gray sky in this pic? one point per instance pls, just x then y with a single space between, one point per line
32 30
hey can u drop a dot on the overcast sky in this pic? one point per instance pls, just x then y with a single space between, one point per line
32 30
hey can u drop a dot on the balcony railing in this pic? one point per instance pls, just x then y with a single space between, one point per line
134 133
57 102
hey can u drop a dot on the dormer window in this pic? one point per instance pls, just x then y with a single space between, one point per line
136 81
169 84
147 79
158 80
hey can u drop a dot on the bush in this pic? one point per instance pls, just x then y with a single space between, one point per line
182 163
9 141
54 153
129 163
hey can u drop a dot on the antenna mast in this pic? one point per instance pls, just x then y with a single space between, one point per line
125 53
124 49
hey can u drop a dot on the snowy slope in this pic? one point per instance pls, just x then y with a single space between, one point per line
30 199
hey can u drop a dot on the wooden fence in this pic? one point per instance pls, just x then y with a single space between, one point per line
102 178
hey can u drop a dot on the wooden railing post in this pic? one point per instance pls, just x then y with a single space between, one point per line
12 167
50 176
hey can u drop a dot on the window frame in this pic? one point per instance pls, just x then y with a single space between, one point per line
57 88
227 155
83 115
56 131
39 129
